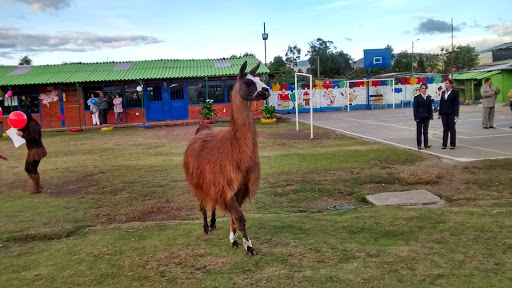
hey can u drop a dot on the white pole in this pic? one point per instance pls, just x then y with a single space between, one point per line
296 104
311 106
348 95
393 91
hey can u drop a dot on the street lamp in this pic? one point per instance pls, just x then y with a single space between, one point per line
139 90
264 36
412 57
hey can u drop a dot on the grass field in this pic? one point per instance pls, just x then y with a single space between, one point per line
116 212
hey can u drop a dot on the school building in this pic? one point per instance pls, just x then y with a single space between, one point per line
171 89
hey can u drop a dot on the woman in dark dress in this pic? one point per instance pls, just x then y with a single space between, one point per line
31 132
423 113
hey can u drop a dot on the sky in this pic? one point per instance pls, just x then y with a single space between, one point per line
59 31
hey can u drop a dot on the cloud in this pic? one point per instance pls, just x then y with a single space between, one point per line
502 29
470 25
431 26
479 42
44 5
334 4
348 39
13 41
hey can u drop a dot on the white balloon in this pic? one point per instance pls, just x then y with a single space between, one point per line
139 88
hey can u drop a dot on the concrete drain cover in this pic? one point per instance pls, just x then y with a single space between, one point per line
414 198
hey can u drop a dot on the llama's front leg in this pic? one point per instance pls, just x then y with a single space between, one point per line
232 234
238 216
205 219
213 220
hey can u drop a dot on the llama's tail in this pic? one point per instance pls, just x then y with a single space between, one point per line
203 127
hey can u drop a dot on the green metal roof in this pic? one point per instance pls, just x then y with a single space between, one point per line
476 75
139 70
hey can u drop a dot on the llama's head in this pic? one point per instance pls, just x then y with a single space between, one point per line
250 87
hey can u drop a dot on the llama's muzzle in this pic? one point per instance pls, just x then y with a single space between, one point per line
262 94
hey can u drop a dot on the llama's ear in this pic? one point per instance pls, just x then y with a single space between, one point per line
255 69
242 69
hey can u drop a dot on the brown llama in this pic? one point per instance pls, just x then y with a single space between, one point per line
203 127
222 167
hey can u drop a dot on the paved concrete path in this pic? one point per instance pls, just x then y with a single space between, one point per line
397 127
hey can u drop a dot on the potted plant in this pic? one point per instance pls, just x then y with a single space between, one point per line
207 111
268 114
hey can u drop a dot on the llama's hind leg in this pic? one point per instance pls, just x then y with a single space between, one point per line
213 220
205 219
238 216
232 234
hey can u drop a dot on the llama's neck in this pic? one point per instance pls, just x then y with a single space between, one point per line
242 124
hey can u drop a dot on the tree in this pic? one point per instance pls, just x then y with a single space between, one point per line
464 58
402 62
25 60
247 54
292 55
392 50
282 72
276 64
333 63
433 63
358 73
420 66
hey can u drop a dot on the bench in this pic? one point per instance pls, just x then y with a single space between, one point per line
377 99
405 102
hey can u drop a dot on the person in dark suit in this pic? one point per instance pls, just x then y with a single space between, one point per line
423 113
449 113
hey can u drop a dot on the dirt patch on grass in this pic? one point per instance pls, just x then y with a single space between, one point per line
174 133
297 135
73 187
18 184
421 177
452 181
185 265
162 210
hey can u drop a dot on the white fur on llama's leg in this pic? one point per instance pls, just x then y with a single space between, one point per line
247 243
232 237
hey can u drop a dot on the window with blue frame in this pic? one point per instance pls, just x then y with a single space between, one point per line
196 92
110 94
90 90
23 98
8 104
28 98
154 93
217 91
133 98
176 92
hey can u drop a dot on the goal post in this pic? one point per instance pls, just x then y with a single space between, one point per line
297 100
368 83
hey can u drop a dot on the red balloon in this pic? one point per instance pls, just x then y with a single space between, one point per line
0 111
17 119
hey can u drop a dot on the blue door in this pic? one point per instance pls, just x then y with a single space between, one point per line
178 107
155 103
166 102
